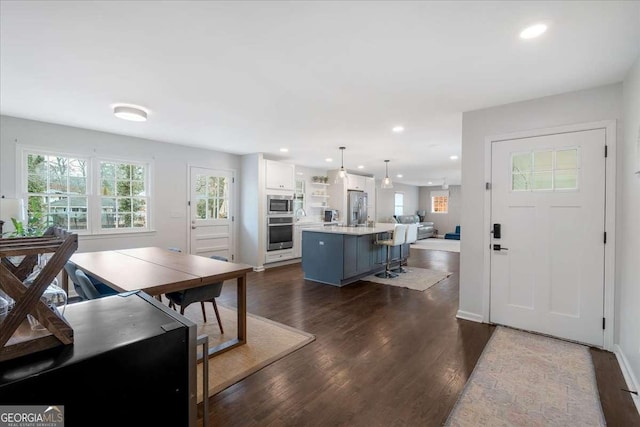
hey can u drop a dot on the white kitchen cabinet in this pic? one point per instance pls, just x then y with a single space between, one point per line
279 176
297 236
356 182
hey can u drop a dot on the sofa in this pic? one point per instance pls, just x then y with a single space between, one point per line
425 229
453 236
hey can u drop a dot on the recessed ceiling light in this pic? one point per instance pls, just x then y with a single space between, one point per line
328 159
429 182
533 31
399 175
398 129
284 150
300 173
131 113
360 166
454 157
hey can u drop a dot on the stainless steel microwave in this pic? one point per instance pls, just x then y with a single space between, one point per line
279 204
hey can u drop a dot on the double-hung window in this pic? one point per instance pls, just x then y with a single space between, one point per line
398 204
439 201
90 195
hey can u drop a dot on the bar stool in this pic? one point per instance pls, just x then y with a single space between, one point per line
399 235
411 237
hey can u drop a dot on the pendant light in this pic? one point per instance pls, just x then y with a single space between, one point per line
342 173
386 182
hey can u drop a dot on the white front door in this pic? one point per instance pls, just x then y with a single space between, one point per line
548 195
211 230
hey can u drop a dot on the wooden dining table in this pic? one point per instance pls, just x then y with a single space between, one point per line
157 271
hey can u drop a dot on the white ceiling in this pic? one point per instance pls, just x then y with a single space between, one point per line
247 77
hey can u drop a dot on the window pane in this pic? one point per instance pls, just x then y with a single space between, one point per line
139 219
542 161
566 179
213 186
542 180
108 188
211 209
138 205
520 182
521 162
137 172
36 164
201 209
77 168
124 220
123 171
137 188
77 185
222 209
124 188
124 205
567 159
37 183
107 171
201 185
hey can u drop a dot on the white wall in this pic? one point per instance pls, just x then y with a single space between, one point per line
385 200
628 227
443 222
169 184
252 209
601 103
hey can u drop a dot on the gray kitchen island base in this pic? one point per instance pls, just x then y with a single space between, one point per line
339 256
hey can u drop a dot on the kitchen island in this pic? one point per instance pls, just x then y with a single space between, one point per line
342 255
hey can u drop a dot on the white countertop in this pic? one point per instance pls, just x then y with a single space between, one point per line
356 231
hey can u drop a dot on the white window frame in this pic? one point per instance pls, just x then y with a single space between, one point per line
434 194
395 206
94 196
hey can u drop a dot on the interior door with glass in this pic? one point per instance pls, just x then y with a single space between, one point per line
547 247
211 221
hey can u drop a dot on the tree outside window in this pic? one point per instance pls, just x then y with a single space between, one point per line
123 195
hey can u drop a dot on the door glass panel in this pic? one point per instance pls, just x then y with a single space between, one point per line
520 182
521 162
566 179
567 159
201 209
542 180
201 185
542 161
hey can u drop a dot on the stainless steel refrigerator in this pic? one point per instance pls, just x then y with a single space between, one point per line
356 208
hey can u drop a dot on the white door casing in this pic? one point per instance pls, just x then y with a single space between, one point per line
211 212
551 278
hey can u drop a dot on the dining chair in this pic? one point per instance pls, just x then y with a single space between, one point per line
101 288
88 289
201 294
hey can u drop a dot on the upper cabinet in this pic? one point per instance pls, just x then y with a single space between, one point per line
356 182
280 176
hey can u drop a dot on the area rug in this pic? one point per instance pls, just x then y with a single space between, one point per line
524 379
418 279
267 342
437 245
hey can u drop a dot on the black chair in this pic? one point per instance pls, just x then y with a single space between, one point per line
89 291
202 294
102 289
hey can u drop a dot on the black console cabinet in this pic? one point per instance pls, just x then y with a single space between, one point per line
132 364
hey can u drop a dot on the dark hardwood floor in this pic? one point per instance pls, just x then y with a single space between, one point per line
383 356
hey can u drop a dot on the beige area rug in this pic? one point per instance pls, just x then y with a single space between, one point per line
437 245
267 341
418 279
524 379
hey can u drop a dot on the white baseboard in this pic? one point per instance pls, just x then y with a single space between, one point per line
465 315
629 377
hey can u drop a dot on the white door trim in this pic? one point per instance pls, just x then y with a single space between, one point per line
610 215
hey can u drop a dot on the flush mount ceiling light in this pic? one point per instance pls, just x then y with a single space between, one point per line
399 175
127 112
454 157
386 182
284 150
342 173
430 182
398 129
360 166
328 159
533 31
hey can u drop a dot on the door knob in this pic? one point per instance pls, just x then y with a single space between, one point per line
193 227
499 248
